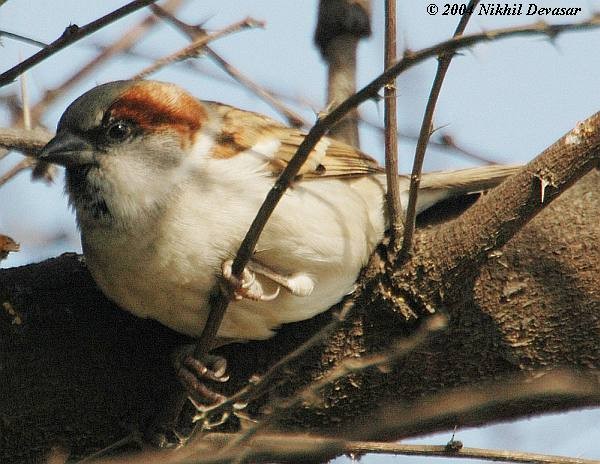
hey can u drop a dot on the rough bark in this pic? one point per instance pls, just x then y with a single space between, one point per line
79 373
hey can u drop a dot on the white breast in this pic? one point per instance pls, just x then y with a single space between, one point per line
165 269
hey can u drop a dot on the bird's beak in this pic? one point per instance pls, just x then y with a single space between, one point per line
68 149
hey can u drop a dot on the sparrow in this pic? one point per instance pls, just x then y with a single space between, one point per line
165 187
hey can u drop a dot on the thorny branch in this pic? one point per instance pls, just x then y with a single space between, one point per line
484 227
71 35
425 134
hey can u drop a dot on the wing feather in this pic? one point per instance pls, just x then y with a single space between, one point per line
245 132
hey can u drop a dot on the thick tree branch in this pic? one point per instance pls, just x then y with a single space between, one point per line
79 372
458 251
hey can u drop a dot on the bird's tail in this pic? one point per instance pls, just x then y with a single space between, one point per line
438 186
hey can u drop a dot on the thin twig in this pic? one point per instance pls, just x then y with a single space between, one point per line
391 131
195 32
346 367
26 141
448 142
22 38
445 451
23 165
71 35
124 43
425 133
194 48
268 381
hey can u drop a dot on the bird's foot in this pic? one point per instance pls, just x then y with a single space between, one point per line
298 284
193 373
247 286
175 423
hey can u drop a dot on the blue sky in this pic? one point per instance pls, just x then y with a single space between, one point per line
506 100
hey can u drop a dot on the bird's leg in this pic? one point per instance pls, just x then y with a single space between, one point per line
248 286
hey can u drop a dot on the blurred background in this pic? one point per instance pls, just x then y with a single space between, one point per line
503 102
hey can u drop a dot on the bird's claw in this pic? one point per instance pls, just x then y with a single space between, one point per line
247 286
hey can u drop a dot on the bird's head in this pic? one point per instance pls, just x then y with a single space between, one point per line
123 145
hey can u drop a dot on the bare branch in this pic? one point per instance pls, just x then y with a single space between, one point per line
446 451
425 134
24 164
122 44
26 141
71 35
391 131
22 38
195 47
459 251
195 32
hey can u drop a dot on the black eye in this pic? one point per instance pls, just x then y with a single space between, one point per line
118 131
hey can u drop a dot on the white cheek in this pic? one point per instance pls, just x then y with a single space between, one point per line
194 161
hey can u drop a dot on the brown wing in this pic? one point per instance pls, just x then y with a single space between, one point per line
244 131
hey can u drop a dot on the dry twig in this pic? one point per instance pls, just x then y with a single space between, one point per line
23 165
425 134
196 46
71 35
195 32
123 44
391 131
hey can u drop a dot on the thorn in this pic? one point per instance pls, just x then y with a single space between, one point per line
544 183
